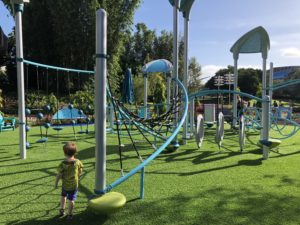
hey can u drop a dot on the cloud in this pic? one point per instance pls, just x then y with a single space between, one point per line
291 52
274 43
209 71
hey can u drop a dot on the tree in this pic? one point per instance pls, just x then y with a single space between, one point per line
248 79
159 94
138 49
62 33
163 46
120 16
194 82
138 89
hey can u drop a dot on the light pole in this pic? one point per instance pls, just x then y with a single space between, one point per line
18 6
229 80
218 81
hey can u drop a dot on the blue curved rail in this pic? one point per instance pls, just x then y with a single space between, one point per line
285 84
215 91
159 150
295 129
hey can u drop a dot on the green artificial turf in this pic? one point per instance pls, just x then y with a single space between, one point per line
188 186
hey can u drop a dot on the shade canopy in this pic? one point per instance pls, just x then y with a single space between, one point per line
127 91
184 6
66 114
178 2
254 41
158 66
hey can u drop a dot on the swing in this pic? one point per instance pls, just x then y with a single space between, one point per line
270 143
40 116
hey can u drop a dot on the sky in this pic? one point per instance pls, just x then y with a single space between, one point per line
215 25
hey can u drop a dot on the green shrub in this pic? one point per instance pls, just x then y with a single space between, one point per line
37 102
82 100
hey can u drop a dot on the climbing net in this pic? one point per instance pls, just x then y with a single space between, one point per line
158 126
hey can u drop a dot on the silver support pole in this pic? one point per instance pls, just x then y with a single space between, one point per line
20 76
145 95
264 78
192 119
100 100
186 72
168 91
235 86
175 55
265 124
264 89
271 84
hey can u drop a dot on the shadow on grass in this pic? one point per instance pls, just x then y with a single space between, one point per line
84 218
203 157
238 206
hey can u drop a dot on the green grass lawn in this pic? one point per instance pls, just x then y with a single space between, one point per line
189 186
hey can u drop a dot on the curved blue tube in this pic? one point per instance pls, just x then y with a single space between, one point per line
279 130
215 91
157 152
285 84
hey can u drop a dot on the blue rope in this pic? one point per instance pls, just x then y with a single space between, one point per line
53 67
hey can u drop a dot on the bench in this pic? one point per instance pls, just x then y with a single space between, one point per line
7 123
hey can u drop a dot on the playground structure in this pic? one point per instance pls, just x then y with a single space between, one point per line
179 103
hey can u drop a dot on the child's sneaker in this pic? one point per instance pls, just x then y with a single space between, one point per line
61 212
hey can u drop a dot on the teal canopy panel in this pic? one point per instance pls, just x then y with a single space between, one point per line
185 7
158 66
254 41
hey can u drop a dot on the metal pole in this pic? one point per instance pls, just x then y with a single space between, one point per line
175 56
264 89
271 84
229 93
265 124
168 90
192 115
145 96
142 183
20 74
186 72
235 85
100 100
264 78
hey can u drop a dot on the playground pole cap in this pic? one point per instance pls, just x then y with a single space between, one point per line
27 111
